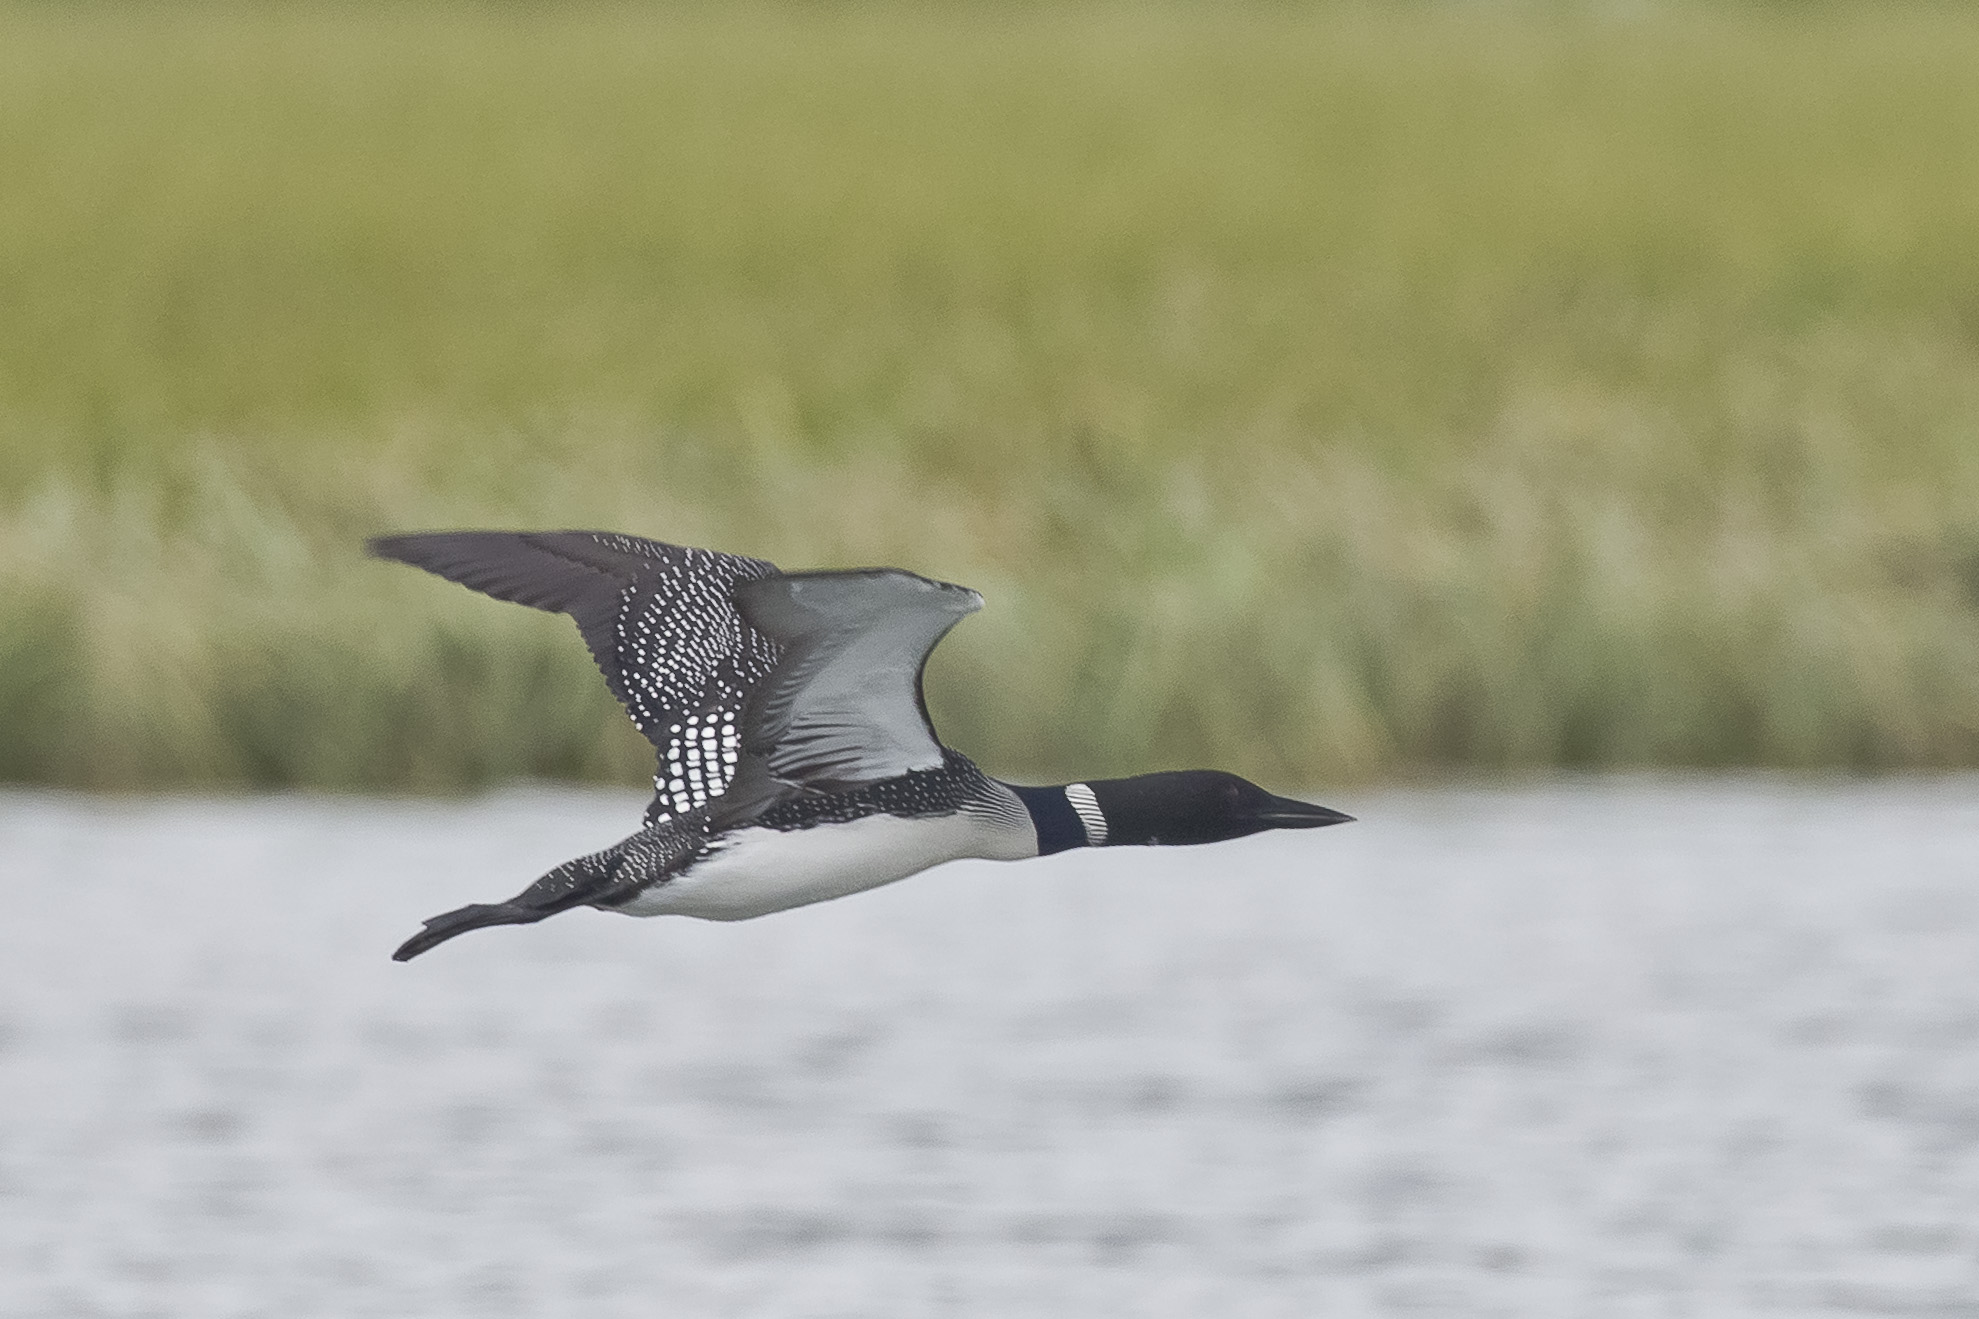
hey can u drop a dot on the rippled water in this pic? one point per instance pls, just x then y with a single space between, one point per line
1611 1048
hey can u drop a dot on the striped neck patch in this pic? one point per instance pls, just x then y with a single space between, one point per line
1090 816
1064 817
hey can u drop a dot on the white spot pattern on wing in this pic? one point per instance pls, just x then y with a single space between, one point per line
688 663
659 619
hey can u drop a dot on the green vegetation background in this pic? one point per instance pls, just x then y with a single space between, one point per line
1320 393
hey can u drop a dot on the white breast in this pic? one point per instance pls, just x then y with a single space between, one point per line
753 872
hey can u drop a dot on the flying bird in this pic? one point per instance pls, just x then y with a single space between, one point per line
797 761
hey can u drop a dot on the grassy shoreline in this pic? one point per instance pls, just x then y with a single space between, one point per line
1326 394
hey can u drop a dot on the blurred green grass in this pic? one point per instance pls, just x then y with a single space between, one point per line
1320 393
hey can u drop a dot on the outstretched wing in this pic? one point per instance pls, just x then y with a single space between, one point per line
843 706
660 620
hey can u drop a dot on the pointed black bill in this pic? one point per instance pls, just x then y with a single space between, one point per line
1284 813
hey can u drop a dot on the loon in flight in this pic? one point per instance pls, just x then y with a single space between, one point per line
796 758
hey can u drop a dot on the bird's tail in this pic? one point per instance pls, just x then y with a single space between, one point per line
448 924
596 880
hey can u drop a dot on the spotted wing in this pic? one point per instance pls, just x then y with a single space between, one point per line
843 707
660 621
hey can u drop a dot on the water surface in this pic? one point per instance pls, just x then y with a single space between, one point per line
1609 1048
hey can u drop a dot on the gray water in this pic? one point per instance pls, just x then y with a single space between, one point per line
1609 1048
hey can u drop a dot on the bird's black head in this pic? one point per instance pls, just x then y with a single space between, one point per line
1197 806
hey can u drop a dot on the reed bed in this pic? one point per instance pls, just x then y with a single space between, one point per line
1323 393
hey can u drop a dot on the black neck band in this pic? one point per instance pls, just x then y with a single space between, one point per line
1058 825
